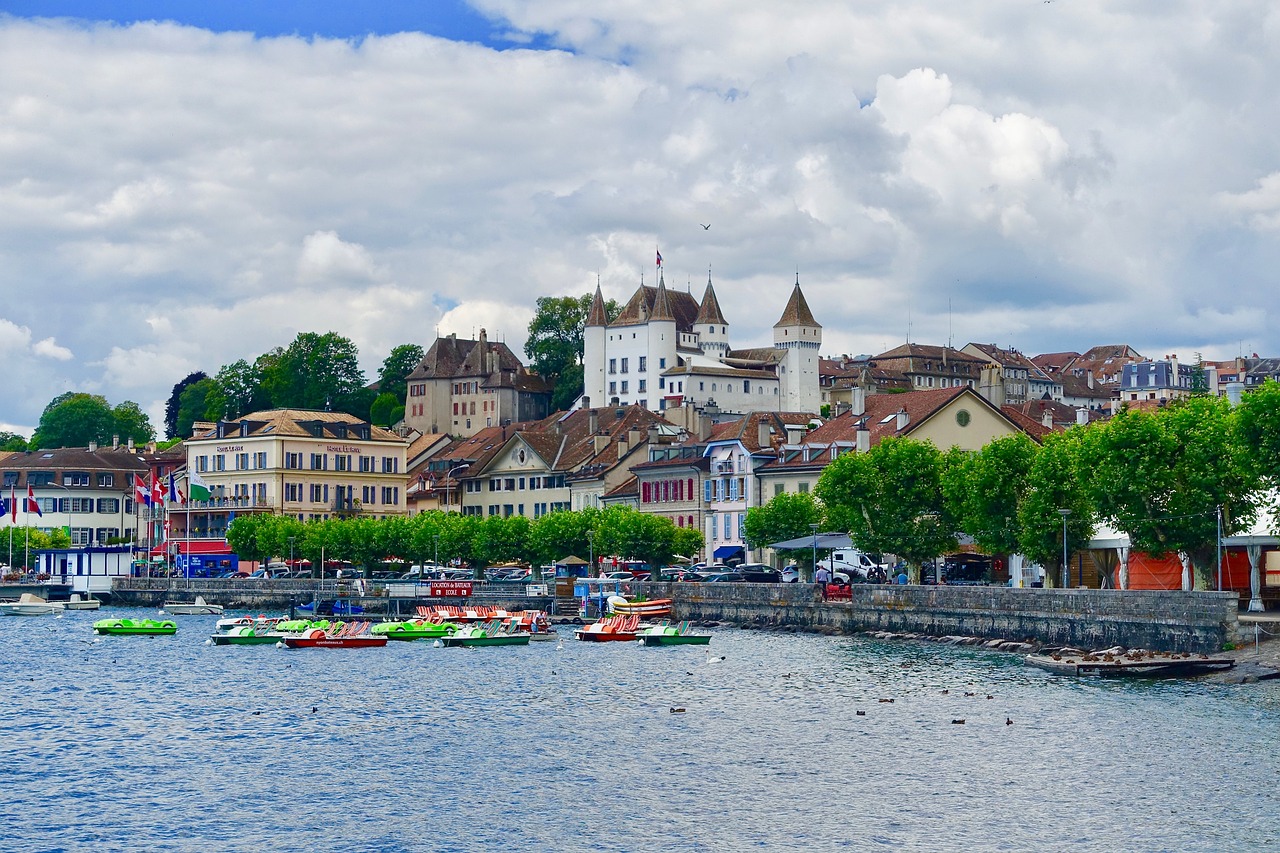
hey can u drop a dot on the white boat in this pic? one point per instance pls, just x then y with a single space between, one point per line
29 605
78 603
199 608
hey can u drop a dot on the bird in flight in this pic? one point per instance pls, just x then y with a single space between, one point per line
705 227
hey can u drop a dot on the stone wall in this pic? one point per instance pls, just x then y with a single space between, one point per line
1085 618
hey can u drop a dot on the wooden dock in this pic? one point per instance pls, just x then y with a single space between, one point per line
1131 665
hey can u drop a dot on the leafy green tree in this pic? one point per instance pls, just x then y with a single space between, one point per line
74 420
1055 481
557 535
131 423
243 535
394 374
554 346
983 490
318 371
175 401
383 409
237 391
1257 426
500 540
890 501
688 541
1161 476
11 441
193 405
786 516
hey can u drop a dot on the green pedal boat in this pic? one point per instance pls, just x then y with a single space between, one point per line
247 635
485 635
135 627
414 629
672 635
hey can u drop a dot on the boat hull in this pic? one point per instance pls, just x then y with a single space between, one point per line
29 609
247 639
472 642
174 608
362 642
605 636
131 628
675 640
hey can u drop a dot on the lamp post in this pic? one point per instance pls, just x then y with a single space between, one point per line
591 553
1066 572
814 528
447 478
291 566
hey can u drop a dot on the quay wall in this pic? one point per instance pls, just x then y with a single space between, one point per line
1083 618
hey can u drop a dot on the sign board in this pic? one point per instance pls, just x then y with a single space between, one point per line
534 589
450 589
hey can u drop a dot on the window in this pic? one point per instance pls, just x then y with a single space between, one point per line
341 462
390 465
613 365
319 462
10 478
391 495
662 382
242 461
644 493
640 386
260 459
106 505
293 461
75 478
293 492
779 488
641 363
624 386
220 462
366 464
706 490
613 388
802 488
82 504
728 520
624 365
368 495
106 481
317 494
39 478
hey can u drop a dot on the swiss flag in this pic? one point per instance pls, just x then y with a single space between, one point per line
157 490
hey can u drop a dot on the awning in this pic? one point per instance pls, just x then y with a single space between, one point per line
825 541
727 551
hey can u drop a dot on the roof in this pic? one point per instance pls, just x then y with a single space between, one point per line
597 316
746 429
300 423
74 459
453 356
930 353
639 309
709 312
1004 357
797 312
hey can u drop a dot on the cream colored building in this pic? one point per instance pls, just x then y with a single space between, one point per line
306 464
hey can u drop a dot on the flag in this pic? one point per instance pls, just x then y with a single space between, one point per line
175 497
198 488
157 490
659 258
33 505
13 504
140 492
4 507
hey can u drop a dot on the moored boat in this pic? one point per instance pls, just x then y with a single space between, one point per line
247 635
197 608
351 635
414 629
136 627
672 635
491 634
29 604
655 609
78 603
610 629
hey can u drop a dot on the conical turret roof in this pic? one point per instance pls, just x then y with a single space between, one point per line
661 305
597 316
709 311
797 312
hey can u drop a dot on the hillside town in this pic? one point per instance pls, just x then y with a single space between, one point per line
674 421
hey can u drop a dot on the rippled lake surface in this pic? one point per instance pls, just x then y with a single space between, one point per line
169 743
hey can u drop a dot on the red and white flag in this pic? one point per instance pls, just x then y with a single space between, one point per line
33 505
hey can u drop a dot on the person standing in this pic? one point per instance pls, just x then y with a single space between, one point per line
822 575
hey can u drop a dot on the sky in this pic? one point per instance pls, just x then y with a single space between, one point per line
185 185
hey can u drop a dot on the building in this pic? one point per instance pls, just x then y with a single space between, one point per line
296 462
88 491
462 386
1009 378
1091 380
666 348
1155 383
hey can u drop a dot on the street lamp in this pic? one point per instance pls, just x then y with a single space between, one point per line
591 553
447 478
814 528
1066 572
291 566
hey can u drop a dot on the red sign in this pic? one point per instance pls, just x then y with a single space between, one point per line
449 589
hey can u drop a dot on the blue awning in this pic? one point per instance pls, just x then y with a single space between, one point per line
727 551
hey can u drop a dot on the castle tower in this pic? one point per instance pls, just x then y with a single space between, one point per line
593 350
710 326
661 351
800 335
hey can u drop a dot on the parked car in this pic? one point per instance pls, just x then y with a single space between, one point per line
759 573
724 577
791 573
617 576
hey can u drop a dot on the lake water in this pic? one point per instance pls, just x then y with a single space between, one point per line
168 743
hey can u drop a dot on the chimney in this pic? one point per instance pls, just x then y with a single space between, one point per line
593 422
93 447
902 421
115 441
652 436
624 444
1082 416
633 436
863 437
600 440
1235 393
130 445
1046 419
1088 378
764 434
858 401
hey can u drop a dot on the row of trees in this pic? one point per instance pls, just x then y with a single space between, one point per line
474 540
75 419
1161 476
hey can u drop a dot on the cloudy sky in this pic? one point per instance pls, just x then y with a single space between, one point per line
181 187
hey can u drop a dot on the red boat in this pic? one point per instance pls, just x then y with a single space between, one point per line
353 635
619 628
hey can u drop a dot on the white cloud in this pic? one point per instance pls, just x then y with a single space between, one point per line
49 348
1047 176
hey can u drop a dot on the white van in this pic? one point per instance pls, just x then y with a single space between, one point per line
851 563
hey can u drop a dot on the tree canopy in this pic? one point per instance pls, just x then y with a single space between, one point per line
396 367
173 406
76 419
554 346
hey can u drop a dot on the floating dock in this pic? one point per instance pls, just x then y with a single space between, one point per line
1132 664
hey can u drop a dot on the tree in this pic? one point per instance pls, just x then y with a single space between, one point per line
1257 425
175 401
383 409
557 535
1162 476
193 405
889 500
243 535
983 490
11 441
132 423
1054 483
317 371
394 374
74 420
237 391
785 516
554 346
